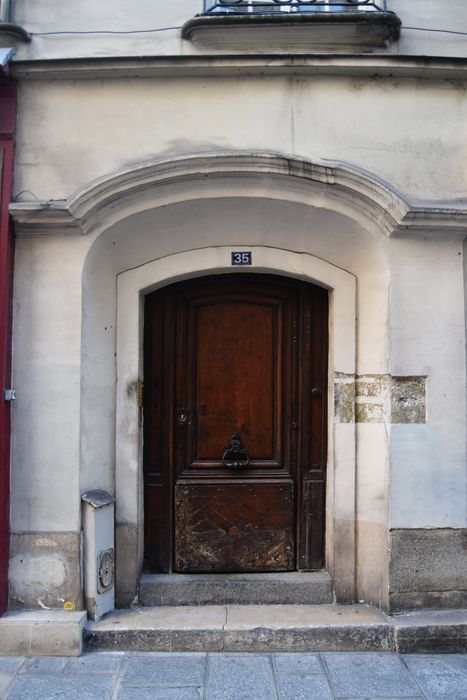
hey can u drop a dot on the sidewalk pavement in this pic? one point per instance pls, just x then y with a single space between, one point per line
235 676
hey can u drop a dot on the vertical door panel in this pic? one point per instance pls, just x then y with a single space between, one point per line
234 527
237 384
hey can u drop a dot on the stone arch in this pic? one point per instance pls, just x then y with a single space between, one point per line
154 183
310 235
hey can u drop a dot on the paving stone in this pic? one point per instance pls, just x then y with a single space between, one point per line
160 694
5 680
303 688
45 664
232 677
11 664
294 664
66 687
165 670
96 663
355 675
440 677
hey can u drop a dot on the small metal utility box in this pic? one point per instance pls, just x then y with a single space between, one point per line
99 552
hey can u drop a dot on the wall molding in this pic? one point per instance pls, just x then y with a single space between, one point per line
352 190
375 66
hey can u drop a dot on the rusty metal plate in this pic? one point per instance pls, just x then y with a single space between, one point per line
234 527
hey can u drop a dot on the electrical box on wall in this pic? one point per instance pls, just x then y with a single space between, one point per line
99 552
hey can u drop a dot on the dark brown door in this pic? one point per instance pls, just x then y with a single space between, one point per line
235 390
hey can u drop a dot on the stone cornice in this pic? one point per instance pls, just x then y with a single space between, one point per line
349 189
364 65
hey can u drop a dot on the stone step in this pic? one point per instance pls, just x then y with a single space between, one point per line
243 628
292 588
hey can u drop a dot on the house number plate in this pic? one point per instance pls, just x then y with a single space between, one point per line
241 257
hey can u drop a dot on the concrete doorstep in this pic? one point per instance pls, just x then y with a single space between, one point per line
278 628
234 628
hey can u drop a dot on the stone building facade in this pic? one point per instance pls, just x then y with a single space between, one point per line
154 140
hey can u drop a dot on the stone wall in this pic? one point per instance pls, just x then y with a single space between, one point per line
428 569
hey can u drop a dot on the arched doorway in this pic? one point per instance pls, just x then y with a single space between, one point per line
235 371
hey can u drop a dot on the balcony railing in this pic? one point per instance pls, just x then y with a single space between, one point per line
241 7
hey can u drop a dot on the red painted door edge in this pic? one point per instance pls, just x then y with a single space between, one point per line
7 134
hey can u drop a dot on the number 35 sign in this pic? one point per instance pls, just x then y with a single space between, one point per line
241 257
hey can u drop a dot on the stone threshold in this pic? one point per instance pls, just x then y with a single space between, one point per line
285 588
264 628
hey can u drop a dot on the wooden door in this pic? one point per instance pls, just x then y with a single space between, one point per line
235 394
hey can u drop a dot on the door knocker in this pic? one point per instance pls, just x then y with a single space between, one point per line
235 456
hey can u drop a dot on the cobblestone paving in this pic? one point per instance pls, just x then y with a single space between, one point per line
217 676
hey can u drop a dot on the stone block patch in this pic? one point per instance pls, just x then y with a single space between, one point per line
408 400
45 570
379 398
427 568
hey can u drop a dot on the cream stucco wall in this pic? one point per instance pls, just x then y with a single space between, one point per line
68 132
401 144
77 346
40 16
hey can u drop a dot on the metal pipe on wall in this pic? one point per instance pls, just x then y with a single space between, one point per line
4 10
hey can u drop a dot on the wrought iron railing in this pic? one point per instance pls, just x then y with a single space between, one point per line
275 6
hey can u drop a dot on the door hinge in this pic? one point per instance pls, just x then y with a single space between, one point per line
9 395
140 394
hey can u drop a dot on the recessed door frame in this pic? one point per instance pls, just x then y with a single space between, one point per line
132 285
285 422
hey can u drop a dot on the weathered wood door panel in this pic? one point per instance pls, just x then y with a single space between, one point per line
234 425
243 526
